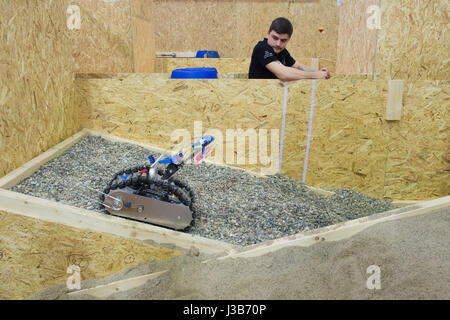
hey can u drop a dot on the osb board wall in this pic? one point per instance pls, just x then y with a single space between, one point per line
347 141
419 156
413 43
352 145
356 42
223 65
143 35
37 91
104 43
329 64
234 27
148 108
35 254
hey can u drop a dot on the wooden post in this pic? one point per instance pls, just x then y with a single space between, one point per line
315 63
395 100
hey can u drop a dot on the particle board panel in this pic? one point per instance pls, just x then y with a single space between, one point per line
418 149
104 43
35 254
395 100
148 110
307 18
195 25
244 29
143 35
142 9
37 96
296 131
357 42
413 42
352 145
329 64
143 46
347 145
234 27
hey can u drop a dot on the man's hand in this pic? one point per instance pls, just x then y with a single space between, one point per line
321 74
291 73
328 72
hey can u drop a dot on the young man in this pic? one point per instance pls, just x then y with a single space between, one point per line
270 59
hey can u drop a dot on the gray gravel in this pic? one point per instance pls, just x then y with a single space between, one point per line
230 205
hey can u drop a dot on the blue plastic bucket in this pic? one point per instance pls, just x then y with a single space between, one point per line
194 73
210 54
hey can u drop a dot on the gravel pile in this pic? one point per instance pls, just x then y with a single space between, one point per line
230 205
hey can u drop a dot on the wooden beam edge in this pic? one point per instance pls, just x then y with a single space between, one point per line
27 169
103 291
33 207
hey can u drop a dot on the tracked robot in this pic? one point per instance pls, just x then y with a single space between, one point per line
150 193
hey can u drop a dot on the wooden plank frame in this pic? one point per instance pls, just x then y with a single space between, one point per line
394 102
55 212
104 291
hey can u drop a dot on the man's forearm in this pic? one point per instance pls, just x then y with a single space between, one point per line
290 73
297 74
305 68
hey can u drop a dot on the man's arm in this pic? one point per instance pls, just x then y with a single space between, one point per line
291 73
302 67
306 68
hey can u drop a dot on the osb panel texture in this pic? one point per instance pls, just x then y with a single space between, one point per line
148 108
414 41
330 65
143 35
419 156
234 27
104 43
356 42
352 145
37 91
35 254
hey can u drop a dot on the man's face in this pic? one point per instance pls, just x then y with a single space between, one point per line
277 41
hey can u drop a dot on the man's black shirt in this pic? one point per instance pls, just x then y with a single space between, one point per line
264 54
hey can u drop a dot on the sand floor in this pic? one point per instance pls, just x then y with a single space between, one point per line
413 255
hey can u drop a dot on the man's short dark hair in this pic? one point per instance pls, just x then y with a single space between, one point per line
281 26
